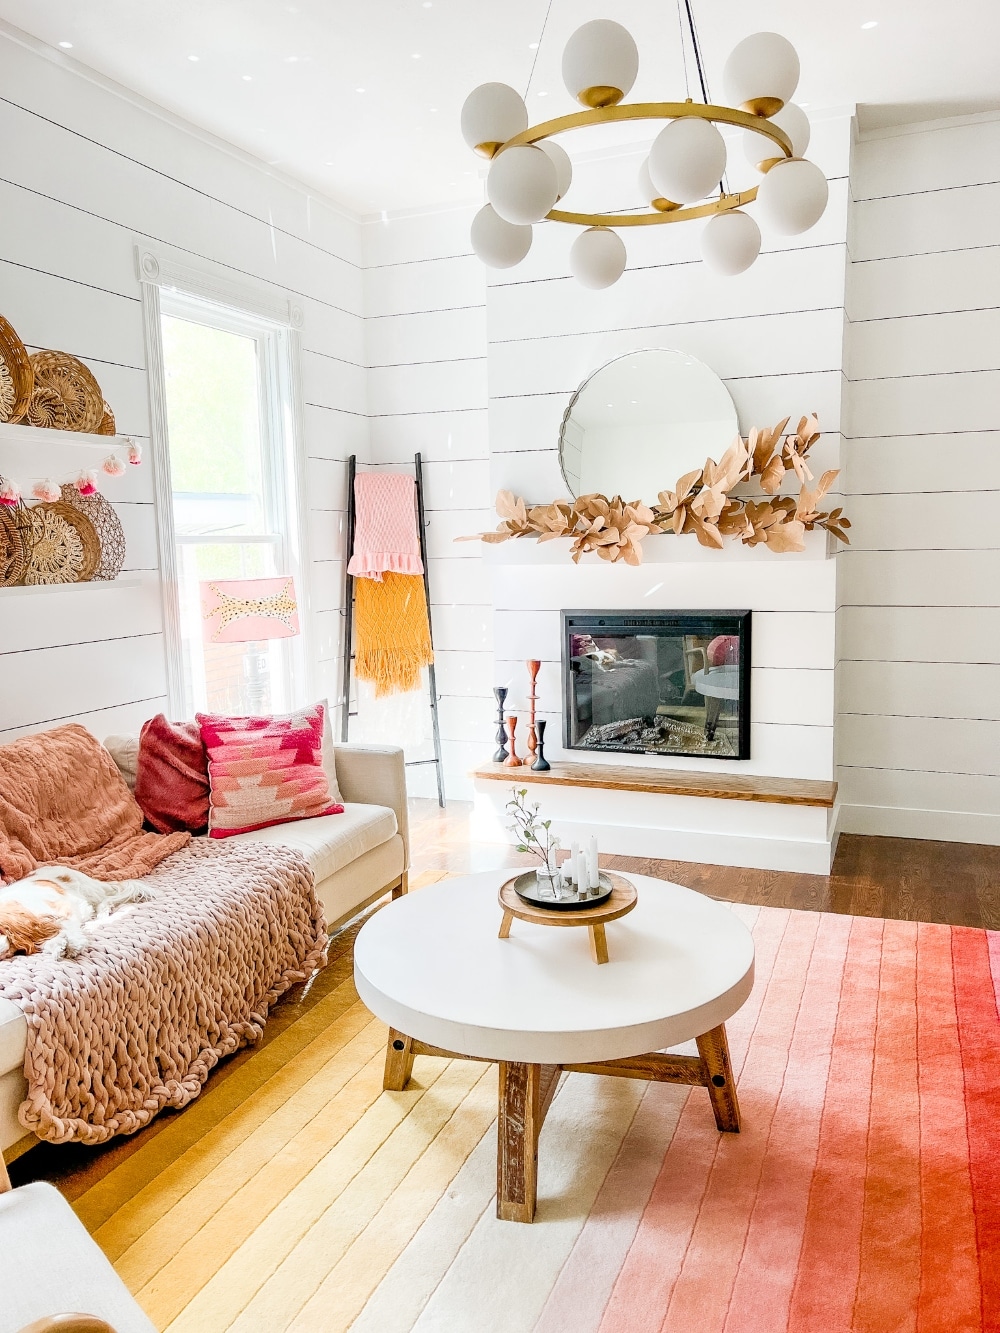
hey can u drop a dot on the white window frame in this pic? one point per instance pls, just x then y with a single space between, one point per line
250 309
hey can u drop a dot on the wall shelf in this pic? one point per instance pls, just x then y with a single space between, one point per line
28 588
38 435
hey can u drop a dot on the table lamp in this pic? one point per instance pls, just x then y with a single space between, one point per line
250 611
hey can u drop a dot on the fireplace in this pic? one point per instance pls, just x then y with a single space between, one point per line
657 683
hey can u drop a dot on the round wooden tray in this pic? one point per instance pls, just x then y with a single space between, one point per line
623 899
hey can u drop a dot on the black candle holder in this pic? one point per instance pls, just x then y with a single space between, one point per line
501 694
541 764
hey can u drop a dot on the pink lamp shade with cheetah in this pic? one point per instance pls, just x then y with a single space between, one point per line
248 610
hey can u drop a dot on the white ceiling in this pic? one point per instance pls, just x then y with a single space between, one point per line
282 79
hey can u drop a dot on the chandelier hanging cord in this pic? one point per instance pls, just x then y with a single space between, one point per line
538 47
684 55
700 64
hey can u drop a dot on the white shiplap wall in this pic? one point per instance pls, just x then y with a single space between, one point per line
425 340
775 336
86 171
919 682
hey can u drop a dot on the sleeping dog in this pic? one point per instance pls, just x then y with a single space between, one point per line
46 912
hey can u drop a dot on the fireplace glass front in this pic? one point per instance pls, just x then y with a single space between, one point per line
657 683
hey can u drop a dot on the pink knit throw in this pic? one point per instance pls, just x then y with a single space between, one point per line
385 537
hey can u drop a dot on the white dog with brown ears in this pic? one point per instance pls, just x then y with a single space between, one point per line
48 911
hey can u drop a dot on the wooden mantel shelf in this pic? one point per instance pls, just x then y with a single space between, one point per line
671 782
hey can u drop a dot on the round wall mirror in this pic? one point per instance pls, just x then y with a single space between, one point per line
640 422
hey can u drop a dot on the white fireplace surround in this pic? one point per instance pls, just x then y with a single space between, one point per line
793 599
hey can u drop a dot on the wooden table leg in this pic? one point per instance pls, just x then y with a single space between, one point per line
525 1094
505 925
398 1061
598 943
714 1051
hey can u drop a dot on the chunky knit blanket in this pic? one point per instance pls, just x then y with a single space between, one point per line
166 989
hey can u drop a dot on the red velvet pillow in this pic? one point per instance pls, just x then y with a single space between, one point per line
171 781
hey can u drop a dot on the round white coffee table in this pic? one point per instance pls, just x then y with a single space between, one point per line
431 966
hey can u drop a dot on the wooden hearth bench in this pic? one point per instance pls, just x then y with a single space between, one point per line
670 782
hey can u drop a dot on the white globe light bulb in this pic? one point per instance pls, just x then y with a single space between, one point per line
687 159
492 114
499 244
730 242
600 63
761 74
597 258
792 196
760 150
562 163
522 184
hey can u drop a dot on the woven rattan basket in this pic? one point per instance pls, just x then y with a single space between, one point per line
74 384
107 525
13 549
107 426
65 547
16 375
47 409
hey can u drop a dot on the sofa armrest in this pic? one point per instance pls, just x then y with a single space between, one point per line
375 775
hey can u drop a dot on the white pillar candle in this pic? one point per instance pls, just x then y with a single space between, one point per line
594 874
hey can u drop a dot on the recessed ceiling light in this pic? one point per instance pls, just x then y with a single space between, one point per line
66 46
415 56
247 78
872 23
359 90
543 94
194 58
434 108
532 46
291 60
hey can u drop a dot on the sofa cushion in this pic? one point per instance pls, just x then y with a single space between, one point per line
51 1266
171 783
13 1035
332 841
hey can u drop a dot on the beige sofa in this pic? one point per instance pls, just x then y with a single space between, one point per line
356 858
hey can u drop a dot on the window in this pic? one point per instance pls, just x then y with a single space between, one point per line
226 401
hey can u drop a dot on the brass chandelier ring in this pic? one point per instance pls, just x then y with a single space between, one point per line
653 111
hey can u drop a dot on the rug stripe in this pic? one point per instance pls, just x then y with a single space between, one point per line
889 1277
763 1288
949 1270
825 1285
976 1005
642 1291
248 1238
704 1285
576 1302
503 1274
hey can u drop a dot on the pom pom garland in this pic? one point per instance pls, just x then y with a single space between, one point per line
46 490
113 466
134 453
10 494
86 483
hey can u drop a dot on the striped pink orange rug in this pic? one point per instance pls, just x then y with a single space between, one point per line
862 1194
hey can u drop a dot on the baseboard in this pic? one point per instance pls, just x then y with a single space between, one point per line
935 825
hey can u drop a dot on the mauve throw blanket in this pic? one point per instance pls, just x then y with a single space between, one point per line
165 989
64 802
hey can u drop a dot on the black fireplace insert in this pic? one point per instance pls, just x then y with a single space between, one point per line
657 682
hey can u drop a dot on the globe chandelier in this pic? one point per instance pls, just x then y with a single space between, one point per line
683 178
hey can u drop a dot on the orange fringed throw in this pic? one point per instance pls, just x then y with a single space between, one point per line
393 633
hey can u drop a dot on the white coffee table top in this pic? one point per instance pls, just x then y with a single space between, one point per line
430 965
